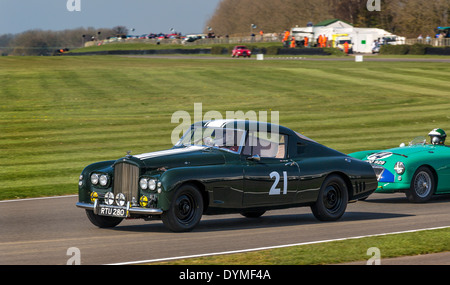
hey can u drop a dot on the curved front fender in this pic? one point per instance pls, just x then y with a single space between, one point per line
83 189
208 176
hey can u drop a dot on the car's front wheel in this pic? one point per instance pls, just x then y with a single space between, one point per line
332 200
186 209
103 221
422 185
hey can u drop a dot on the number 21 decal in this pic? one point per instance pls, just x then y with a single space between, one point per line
273 189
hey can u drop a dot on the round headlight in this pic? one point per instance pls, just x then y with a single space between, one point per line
103 179
94 179
109 198
143 183
120 199
80 180
399 167
152 184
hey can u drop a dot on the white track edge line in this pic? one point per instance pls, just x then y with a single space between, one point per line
272 247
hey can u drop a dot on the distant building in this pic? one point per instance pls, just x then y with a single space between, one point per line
333 23
362 39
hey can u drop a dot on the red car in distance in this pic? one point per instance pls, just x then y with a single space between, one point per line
241 51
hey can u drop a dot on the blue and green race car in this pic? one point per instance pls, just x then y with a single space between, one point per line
420 169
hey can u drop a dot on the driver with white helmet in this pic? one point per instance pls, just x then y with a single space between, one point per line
437 136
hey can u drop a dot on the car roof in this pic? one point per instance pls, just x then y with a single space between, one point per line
244 125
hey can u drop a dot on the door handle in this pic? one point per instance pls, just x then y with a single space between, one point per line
291 163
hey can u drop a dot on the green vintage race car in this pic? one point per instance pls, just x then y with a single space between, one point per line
420 169
224 166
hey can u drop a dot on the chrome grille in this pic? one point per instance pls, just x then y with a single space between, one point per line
126 178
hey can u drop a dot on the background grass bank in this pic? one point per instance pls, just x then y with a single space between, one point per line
350 250
59 114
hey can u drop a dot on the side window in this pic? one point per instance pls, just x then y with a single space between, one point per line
301 148
266 145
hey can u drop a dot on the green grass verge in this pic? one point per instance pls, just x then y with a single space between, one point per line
130 45
59 114
216 49
405 244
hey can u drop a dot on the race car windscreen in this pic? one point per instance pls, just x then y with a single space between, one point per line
227 139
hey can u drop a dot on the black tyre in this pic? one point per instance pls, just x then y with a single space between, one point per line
186 209
422 185
332 200
103 221
253 214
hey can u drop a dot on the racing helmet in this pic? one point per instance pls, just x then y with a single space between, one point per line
437 136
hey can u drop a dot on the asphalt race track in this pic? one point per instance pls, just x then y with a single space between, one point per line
43 231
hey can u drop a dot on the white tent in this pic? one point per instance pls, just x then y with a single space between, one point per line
362 38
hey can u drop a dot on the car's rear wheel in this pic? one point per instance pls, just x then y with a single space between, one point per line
103 221
422 185
186 209
332 200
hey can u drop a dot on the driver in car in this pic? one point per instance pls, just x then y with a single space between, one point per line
228 139
437 136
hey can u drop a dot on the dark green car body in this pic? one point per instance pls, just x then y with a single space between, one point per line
189 180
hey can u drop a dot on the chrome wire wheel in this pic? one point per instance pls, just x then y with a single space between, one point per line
422 184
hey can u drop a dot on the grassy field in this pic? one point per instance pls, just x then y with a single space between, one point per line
139 45
405 244
59 114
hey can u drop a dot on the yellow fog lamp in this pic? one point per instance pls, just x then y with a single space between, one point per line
94 196
143 201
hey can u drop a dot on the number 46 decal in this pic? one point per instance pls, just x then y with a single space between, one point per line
273 189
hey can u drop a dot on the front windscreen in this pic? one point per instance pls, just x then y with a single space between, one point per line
223 138
418 141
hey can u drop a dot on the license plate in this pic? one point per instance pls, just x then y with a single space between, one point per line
112 211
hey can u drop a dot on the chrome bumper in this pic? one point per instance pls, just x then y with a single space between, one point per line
131 210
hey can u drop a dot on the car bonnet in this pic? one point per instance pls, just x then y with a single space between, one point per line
394 153
185 156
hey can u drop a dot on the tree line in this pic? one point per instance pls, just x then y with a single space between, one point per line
408 18
43 42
